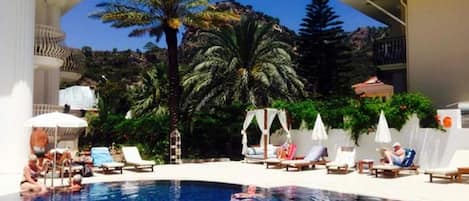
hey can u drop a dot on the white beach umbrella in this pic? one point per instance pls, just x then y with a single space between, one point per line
319 131
383 134
55 120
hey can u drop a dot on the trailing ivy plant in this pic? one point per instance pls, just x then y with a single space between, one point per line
402 106
299 111
360 116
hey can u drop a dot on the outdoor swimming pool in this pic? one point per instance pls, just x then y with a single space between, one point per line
188 191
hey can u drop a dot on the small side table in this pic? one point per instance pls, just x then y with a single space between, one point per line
362 163
461 171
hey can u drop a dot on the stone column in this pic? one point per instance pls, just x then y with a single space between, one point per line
16 85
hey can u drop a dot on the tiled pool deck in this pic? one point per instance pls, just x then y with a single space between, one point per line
407 187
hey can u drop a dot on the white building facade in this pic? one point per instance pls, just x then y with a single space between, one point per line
32 58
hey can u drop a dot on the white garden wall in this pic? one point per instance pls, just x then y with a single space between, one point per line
434 148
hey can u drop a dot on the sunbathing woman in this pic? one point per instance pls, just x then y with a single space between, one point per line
29 184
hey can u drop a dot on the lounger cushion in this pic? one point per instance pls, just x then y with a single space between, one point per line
112 165
335 164
460 159
346 158
442 171
132 156
142 162
100 156
409 158
273 160
259 156
386 167
295 162
315 153
260 150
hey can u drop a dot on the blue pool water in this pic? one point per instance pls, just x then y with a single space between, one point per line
188 191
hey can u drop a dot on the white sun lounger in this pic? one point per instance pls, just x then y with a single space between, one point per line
132 157
345 158
460 159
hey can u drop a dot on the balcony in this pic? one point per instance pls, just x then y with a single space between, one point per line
49 49
389 51
72 69
39 109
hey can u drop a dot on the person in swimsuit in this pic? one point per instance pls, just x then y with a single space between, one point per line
31 172
38 142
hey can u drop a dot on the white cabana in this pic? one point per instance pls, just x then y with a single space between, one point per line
319 131
383 134
55 120
78 97
264 118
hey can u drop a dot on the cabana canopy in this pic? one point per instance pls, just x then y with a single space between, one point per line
264 118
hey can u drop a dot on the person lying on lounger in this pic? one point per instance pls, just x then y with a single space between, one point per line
395 156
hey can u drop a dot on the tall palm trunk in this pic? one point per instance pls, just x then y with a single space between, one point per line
174 93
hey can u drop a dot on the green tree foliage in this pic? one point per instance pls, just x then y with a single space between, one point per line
122 66
245 63
148 133
113 98
163 17
323 54
206 138
151 94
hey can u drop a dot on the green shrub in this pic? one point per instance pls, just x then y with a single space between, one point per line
215 132
360 116
148 133
299 111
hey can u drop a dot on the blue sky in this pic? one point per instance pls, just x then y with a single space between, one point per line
82 30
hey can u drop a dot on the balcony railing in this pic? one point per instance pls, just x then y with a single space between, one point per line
49 42
39 109
389 51
74 62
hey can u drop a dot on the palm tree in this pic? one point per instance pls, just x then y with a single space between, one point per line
245 63
163 17
150 96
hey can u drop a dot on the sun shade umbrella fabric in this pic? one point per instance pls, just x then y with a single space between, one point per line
56 119
319 131
383 134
